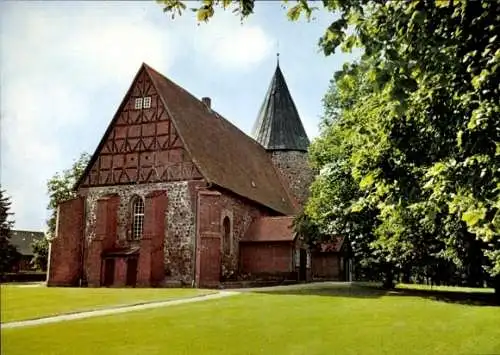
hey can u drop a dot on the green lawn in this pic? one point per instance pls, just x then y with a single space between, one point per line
20 303
445 288
325 320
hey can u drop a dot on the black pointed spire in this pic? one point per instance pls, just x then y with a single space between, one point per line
278 125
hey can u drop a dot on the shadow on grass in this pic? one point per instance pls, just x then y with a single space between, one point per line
354 290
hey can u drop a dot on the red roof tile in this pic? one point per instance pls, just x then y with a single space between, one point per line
225 155
270 229
333 246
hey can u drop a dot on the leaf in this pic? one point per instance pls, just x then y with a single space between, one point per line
367 181
473 216
294 12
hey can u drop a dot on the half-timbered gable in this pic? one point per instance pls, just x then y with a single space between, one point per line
141 144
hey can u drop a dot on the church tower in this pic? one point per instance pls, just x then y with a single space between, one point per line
279 130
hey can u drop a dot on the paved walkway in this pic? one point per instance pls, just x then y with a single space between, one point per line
116 310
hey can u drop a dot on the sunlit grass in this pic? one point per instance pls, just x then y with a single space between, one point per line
322 320
20 302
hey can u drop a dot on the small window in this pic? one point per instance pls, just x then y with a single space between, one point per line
137 218
147 102
138 103
226 241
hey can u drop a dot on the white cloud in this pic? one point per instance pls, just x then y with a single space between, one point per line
56 56
228 43
52 61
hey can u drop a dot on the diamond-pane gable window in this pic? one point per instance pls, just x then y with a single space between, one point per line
138 103
137 218
147 102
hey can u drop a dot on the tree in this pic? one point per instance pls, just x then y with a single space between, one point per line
423 131
40 249
61 188
8 252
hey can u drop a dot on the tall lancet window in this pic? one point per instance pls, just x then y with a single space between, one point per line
226 236
137 217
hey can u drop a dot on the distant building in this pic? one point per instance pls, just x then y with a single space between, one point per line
176 194
22 240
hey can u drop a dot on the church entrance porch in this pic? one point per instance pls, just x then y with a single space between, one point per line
119 267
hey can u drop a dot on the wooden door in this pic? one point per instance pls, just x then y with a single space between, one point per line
303 265
131 272
210 261
109 272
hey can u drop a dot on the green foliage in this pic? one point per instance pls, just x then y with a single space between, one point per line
40 249
8 252
420 135
61 188
409 148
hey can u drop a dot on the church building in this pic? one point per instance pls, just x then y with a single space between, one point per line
175 194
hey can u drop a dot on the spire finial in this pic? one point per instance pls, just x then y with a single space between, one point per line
278 54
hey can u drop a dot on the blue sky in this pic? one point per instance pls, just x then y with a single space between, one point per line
65 67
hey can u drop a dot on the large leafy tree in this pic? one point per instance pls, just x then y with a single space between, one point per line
61 188
8 252
423 129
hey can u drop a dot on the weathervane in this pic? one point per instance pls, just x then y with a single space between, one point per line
278 53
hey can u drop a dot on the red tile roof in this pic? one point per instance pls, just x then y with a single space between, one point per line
225 155
270 229
333 246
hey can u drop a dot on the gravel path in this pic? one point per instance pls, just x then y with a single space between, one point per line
115 310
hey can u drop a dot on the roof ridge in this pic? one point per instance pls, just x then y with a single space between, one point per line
156 76
211 111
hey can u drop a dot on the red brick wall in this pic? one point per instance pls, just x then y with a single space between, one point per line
65 263
241 212
266 257
104 239
151 268
212 207
120 272
325 266
208 258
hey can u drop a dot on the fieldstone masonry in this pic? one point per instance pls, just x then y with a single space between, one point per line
180 230
296 172
242 213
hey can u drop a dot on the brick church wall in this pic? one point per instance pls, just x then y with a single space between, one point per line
270 257
180 229
65 250
241 214
214 207
296 172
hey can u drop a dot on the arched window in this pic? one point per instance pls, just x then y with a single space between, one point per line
137 217
226 235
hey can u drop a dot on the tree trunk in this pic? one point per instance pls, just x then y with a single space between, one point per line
388 283
496 286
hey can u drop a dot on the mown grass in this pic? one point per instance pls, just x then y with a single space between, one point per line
445 288
328 319
19 303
